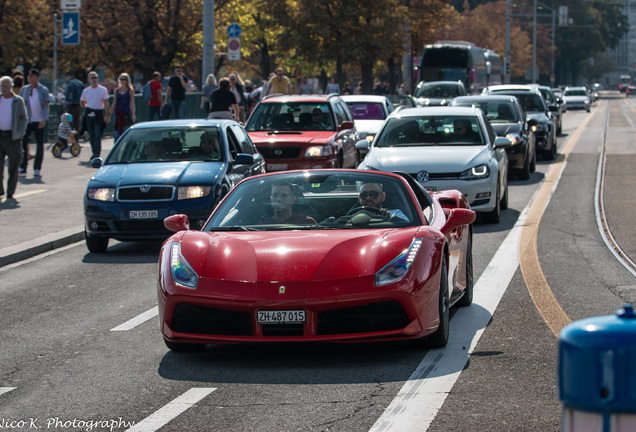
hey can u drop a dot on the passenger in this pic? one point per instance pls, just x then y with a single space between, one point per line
154 151
282 198
317 120
373 195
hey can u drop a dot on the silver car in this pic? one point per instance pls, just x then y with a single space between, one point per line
446 148
576 98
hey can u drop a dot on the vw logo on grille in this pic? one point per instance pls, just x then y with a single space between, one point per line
278 152
423 176
144 188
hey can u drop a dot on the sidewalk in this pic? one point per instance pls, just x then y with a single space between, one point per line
47 212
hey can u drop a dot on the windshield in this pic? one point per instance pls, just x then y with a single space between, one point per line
496 112
366 110
171 144
291 116
316 201
575 92
431 90
430 131
531 102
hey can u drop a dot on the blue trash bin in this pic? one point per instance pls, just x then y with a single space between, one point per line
597 373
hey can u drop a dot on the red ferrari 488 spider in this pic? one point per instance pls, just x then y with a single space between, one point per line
318 255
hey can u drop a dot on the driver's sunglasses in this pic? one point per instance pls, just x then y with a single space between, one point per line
371 194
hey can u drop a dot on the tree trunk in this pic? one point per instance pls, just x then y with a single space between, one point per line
366 72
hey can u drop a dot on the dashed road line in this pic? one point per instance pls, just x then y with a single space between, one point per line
6 389
139 319
164 415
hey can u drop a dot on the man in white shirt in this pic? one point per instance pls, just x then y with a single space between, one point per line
37 100
95 99
13 124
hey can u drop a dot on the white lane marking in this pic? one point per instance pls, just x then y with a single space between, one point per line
164 415
417 403
139 319
6 389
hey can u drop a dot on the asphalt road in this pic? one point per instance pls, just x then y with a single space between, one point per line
63 364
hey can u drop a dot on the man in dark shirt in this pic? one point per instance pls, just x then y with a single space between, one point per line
74 89
221 100
176 93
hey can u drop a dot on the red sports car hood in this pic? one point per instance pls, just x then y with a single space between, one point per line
291 137
295 255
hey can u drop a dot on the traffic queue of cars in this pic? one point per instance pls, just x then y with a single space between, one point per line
389 243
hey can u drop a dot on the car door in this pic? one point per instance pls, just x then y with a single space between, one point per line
347 137
240 143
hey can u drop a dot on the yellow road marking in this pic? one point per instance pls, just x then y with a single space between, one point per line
540 292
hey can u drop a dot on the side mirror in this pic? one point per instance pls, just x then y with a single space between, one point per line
553 108
345 125
176 223
502 142
96 162
244 159
363 144
457 218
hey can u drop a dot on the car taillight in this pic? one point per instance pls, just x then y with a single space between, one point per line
471 75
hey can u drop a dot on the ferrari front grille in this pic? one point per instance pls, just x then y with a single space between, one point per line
195 319
383 316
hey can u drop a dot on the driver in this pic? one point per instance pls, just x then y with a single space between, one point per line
373 195
282 198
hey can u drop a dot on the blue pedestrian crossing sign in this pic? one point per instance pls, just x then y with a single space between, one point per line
70 28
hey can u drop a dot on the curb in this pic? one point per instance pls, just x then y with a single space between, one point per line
40 245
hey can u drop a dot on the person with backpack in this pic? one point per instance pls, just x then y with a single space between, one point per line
152 94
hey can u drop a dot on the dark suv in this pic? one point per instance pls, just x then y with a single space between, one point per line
304 132
538 112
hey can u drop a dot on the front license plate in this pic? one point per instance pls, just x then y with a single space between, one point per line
276 167
281 317
144 214
430 188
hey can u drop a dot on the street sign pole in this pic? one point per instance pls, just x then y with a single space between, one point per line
55 21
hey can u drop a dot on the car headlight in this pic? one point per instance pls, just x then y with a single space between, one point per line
539 128
182 273
475 173
102 194
587 101
317 151
187 192
399 267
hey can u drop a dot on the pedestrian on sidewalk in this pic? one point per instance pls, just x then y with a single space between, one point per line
95 99
154 103
223 103
176 93
13 124
123 105
37 101
74 89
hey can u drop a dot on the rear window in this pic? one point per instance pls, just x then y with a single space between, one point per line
291 116
445 57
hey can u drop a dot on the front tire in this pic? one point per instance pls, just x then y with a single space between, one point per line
439 339
96 244
494 216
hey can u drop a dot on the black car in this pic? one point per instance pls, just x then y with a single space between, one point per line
508 119
538 114
554 106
